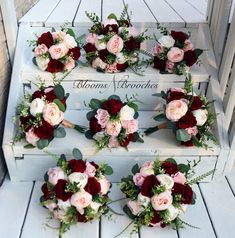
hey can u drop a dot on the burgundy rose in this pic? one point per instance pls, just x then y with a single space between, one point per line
47 39
44 131
190 57
169 168
132 44
196 103
81 218
179 36
188 143
113 106
185 191
50 96
94 164
46 192
103 54
122 67
94 126
55 66
127 140
89 48
25 122
156 218
60 190
110 28
93 186
186 121
148 185
159 64
38 94
77 165
174 95
75 53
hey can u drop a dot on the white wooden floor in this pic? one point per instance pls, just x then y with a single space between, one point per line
21 216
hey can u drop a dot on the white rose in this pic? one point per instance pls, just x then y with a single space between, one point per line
201 116
172 213
31 137
54 174
52 114
167 41
42 62
98 63
143 200
69 41
95 206
120 58
135 207
99 136
99 43
127 113
166 180
36 106
63 205
183 208
79 178
50 205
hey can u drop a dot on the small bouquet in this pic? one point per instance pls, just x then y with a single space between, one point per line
76 190
174 53
158 192
56 51
188 115
40 115
113 45
113 123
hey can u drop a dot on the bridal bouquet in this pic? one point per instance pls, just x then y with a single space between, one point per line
40 115
188 115
174 53
114 44
158 192
113 123
56 51
76 190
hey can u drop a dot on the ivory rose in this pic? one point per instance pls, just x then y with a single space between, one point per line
138 179
161 201
100 43
135 207
69 41
167 41
102 117
58 35
127 113
59 215
40 50
201 116
52 114
143 200
98 63
115 44
69 64
31 137
95 206
80 178
58 51
120 58
63 205
165 180
147 169
42 62
81 199
176 109
179 178
90 170
131 126
36 106
113 128
175 55
104 184
173 212
54 174
91 38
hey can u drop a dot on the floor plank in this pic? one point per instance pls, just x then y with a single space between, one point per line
231 179
13 206
112 6
201 6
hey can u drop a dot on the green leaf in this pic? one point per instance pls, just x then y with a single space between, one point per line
116 97
133 105
42 143
89 135
112 16
29 146
182 135
157 95
90 114
77 154
171 160
67 95
136 115
42 199
160 117
71 33
137 138
183 168
196 142
163 95
34 61
59 91
108 170
135 169
128 212
95 103
46 177
59 104
59 132
198 52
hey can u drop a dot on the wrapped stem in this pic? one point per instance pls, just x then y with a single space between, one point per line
156 128
68 124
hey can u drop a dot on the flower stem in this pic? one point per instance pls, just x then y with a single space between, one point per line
116 213
68 124
154 129
117 200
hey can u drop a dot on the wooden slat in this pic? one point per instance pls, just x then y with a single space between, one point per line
201 5
37 218
231 179
111 228
112 6
91 6
214 17
220 203
38 15
13 206
64 12
197 215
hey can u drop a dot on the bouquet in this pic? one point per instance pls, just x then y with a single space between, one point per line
113 123
40 115
158 192
56 51
76 190
174 53
114 44
188 115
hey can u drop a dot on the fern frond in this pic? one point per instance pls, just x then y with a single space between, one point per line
201 177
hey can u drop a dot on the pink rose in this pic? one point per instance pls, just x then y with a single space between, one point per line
175 54
113 128
161 201
110 22
105 185
138 179
54 174
179 178
135 207
188 45
181 90
40 50
158 49
176 109
113 142
132 31
192 131
91 38
69 64
58 35
31 137
147 169
111 68
90 170
52 114
98 63
102 117
58 51
115 44
50 205
169 66
81 200
131 126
